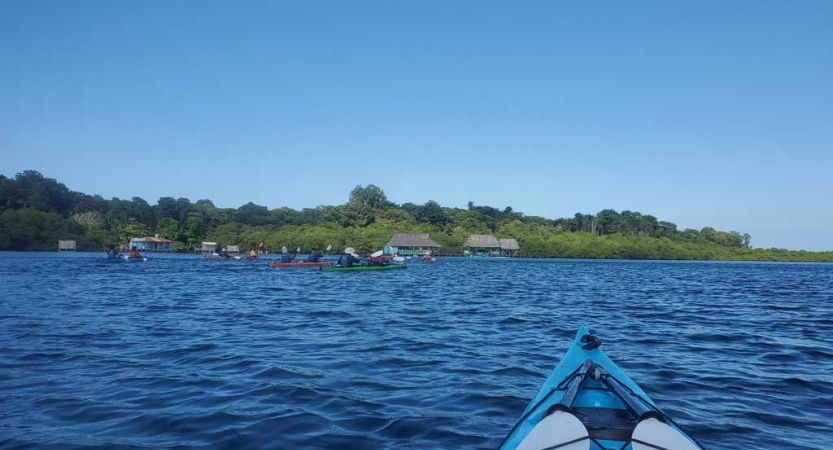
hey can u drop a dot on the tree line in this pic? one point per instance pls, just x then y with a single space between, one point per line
36 211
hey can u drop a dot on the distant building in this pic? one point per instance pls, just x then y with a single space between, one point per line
481 245
509 247
409 244
66 246
233 248
152 244
206 247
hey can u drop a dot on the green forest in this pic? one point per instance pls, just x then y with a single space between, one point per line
35 212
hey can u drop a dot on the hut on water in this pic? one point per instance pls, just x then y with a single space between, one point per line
481 245
409 244
152 244
205 247
66 246
509 247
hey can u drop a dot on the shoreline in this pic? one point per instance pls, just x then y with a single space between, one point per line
495 258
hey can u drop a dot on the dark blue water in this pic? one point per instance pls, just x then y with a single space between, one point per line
182 353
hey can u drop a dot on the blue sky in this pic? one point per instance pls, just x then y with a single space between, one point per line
707 113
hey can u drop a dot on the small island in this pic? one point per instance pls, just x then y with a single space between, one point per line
37 212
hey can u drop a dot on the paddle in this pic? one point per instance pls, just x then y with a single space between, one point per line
559 430
651 434
329 247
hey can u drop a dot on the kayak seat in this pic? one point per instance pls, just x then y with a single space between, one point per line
608 424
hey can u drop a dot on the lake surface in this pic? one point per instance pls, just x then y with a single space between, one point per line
184 353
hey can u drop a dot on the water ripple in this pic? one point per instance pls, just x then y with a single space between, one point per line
183 353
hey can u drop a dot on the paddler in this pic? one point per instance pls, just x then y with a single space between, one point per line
348 258
285 258
252 253
112 253
377 259
314 256
134 253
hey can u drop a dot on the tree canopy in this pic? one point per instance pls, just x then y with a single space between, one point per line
36 211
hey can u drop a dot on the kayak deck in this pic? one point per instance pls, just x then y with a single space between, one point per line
588 403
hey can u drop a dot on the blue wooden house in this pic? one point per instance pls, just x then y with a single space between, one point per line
152 245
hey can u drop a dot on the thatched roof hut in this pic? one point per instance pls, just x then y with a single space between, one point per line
486 241
413 240
405 244
509 247
509 244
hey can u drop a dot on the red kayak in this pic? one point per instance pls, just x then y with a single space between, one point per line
299 264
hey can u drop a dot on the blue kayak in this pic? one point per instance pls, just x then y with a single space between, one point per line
123 260
588 403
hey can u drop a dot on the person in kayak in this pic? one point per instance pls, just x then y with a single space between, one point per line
285 257
377 261
314 256
224 253
112 253
252 253
261 248
134 253
348 259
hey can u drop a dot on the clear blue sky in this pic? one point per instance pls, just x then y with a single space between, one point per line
706 113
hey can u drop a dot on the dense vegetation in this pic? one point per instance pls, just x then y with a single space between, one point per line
36 211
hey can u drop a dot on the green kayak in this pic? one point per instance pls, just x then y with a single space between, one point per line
358 268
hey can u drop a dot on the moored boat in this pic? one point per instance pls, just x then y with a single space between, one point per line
299 264
362 268
588 403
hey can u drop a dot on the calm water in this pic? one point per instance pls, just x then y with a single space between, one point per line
184 353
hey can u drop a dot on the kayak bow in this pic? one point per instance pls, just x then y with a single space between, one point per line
588 403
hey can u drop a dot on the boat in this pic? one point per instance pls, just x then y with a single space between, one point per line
588 403
299 264
361 268
123 260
